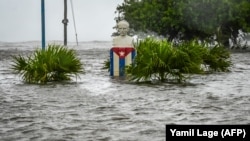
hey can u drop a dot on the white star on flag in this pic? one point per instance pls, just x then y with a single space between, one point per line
121 53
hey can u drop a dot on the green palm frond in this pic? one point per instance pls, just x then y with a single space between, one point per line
218 59
56 63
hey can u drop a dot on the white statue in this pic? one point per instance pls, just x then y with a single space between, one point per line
123 40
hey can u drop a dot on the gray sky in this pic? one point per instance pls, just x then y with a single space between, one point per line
20 20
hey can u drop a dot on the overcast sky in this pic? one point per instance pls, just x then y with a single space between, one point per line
20 20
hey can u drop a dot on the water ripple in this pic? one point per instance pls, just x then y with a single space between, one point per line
96 107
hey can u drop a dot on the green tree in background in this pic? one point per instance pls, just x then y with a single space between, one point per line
188 19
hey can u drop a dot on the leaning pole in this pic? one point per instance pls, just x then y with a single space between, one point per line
43 23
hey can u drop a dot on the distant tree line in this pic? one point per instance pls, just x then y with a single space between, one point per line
188 19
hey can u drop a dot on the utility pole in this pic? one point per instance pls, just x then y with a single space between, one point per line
65 22
43 23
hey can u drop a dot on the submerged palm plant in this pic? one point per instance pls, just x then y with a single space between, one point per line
106 64
218 59
56 63
159 59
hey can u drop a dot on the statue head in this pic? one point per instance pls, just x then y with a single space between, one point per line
123 27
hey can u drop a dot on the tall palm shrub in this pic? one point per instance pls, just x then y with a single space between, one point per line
56 63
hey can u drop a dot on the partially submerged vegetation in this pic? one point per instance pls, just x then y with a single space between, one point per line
56 63
164 61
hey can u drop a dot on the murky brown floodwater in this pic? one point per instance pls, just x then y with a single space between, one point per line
97 107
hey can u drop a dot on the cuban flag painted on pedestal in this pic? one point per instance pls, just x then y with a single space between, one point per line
119 58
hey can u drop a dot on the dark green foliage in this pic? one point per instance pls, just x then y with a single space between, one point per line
192 18
106 64
56 63
194 52
159 59
218 59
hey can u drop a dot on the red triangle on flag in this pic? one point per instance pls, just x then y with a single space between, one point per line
122 52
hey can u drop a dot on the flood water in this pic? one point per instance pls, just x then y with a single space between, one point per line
95 107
